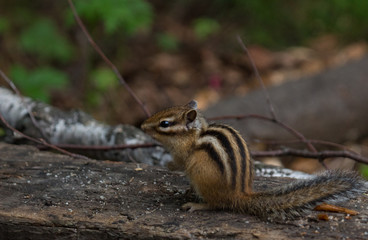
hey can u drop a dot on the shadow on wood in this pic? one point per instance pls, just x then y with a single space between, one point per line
49 196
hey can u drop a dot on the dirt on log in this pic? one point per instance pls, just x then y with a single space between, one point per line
50 196
329 106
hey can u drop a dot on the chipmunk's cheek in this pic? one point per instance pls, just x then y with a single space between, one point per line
149 133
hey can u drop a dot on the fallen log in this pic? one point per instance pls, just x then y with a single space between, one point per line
51 196
70 128
329 106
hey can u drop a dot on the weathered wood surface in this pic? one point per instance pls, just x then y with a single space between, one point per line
49 196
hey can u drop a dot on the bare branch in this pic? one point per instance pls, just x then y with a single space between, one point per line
315 141
264 118
256 154
15 89
103 56
256 72
308 154
270 106
103 148
40 141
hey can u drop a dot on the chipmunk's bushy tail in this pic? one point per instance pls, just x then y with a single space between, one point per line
294 199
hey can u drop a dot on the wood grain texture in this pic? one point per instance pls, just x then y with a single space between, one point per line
49 196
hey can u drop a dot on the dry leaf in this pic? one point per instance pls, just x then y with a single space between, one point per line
323 217
333 208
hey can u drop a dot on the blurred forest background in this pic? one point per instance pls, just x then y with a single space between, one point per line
170 51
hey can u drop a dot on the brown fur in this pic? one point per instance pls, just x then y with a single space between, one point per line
203 151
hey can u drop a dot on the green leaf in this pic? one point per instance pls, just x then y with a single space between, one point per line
38 83
2 132
42 38
167 42
203 27
118 15
104 79
4 24
93 98
364 170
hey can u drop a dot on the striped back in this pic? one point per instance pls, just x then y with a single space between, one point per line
229 151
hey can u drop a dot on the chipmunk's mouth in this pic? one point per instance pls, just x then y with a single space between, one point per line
144 127
147 130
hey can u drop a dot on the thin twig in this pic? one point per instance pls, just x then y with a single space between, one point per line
41 141
270 106
256 154
275 121
258 76
15 89
316 141
103 56
298 134
308 154
104 148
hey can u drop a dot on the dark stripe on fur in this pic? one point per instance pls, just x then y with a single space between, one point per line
228 149
243 156
213 154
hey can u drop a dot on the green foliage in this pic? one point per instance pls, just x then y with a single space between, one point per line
93 98
104 79
364 170
167 42
4 24
203 27
284 23
127 16
42 38
39 30
38 83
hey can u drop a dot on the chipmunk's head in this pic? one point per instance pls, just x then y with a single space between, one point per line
174 122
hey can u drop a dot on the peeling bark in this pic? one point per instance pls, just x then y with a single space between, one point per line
77 127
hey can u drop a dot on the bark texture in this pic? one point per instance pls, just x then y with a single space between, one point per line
50 196
76 127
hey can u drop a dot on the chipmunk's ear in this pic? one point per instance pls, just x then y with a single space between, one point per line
191 115
192 104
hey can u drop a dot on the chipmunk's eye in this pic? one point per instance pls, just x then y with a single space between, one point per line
165 124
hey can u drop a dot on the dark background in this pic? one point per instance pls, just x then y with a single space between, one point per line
170 51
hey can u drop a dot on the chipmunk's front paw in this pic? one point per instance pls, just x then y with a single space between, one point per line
191 207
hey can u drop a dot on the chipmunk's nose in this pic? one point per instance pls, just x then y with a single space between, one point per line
143 127
146 126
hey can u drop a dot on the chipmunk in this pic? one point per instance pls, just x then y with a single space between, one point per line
217 162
